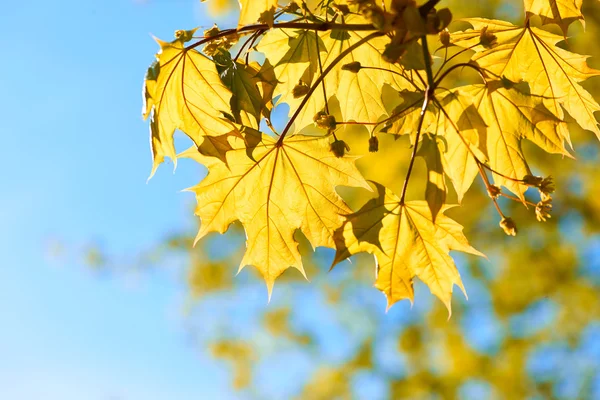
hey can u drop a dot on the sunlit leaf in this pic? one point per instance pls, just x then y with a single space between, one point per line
290 186
406 244
560 12
183 91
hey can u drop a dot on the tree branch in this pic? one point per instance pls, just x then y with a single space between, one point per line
321 26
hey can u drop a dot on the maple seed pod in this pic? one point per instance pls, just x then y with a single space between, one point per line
373 144
352 67
300 90
508 226
339 148
487 39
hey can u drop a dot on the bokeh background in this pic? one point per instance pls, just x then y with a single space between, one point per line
103 297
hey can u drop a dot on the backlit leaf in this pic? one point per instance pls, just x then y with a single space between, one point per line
183 91
560 12
531 55
406 244
289 186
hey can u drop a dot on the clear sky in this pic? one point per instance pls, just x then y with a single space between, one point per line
75 164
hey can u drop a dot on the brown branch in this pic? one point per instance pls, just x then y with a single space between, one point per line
321 26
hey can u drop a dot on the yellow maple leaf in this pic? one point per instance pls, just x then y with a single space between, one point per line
406 243
531 55
251 86
293 53
252 11
457 122
183 91
278 189
511 116
560 12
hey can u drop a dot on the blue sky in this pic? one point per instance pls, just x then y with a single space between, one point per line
75 167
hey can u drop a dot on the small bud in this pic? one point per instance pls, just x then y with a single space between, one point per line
324 120
494 191
531 180
547 186
212 31
508 226
542 209
373 144
184 36
487 39
339 148
300 90
352 67
445 38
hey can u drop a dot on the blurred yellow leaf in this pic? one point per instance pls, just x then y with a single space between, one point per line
560 12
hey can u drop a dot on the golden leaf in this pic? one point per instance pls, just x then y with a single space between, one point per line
560 12
531 55
406 243
290 186
183 91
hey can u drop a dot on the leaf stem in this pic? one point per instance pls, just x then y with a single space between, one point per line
428 96
467 65
488 185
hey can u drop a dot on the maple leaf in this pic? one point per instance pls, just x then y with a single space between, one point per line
183 90
511 116
435 191
456 121
560 12
294 56
406 243
252 11
531 55
251 86
290 186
